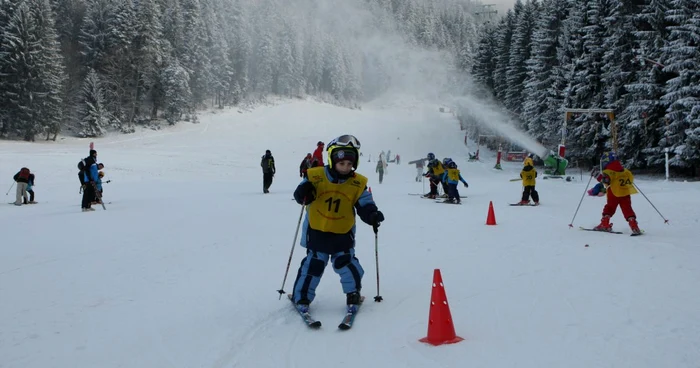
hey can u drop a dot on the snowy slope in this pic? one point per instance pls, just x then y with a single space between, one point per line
182 268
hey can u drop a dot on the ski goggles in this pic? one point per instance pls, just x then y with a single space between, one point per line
345 140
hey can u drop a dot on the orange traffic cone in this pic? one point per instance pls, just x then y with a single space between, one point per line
491 218
440 327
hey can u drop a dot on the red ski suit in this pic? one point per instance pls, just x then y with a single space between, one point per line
625 201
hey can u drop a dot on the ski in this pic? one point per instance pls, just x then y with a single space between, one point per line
600 231
305 316
528 204
350 314
448 202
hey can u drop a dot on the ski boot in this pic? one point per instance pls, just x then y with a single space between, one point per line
353 300
634 226
605 224
524 203
303 305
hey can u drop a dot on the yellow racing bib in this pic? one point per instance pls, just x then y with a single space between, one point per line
333 210
438 169
621 183
453 174
528 177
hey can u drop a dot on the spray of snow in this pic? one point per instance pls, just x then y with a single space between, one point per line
492 119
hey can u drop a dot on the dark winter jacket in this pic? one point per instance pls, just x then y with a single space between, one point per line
30 183
22 176
268 164
304 166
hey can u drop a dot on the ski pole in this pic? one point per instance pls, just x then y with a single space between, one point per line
579 202
377 298
8 191
291 253
657 211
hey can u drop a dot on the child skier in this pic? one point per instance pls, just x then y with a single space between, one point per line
333 194
598 190
620 187
528 174
435 172
30 189
452 177
98 186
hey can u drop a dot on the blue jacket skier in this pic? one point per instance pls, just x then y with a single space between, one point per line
333 194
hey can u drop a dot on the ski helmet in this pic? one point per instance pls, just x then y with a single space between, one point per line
528 162
345 147
452 165
606 159
431 156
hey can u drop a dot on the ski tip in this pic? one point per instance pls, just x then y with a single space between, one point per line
344 327
315 324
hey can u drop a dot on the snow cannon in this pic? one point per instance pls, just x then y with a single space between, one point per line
554 164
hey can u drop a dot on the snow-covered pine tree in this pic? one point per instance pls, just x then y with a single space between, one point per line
504 36
148 58
569 54
334 72
540 93
217 49
21 84
519 53
619 69
95 118
117 74
52 76
682 60
645 114
288 80
484 66
313 61
176 91
239 49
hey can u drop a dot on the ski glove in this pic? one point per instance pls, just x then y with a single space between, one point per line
466 185
308 192
376 219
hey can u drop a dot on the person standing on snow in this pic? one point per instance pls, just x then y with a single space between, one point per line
452 177
333 194
30 189
620 187
268 167
318 153
529 175
305 165
380 170
22 180
90 176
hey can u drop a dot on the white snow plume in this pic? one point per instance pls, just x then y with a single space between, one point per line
490 117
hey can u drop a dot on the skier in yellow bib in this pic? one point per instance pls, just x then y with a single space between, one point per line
333 194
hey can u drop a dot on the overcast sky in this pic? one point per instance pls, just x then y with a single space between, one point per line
501 5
